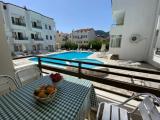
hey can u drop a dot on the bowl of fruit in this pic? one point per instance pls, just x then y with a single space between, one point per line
56 78
45 93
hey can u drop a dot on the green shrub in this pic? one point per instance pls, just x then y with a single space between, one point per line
70 45
96 44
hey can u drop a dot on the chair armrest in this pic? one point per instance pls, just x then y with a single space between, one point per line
98 111
13 79
142 94
155 99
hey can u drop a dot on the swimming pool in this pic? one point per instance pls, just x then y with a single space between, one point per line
80 56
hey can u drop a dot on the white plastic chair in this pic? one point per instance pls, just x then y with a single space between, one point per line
7 84
147 109
28 75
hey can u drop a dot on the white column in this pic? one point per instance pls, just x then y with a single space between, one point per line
6 65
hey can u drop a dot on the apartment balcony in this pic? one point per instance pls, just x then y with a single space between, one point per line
116 29
37 27
21 40
38 39
118 17
18 23
111 90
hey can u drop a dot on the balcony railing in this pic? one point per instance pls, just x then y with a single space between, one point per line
38 27
18 23
22 38
106 81
38 39
113 25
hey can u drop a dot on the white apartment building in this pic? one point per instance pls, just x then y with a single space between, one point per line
27 30
135 33
83 36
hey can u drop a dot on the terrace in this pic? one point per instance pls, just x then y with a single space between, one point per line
117 84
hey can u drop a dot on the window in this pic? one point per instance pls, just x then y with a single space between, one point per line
16 48
47 37
14 34
4 7
13 20
20 36
36 36
32 36
17 20
46 26
116 41
34 24
49 27
50 37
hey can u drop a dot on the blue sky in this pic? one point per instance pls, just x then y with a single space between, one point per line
73 14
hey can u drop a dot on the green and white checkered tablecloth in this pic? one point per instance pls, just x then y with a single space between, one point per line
73 99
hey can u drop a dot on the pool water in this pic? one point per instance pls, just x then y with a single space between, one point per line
87 60
80 56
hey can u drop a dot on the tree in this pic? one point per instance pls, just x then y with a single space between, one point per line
70 45
65 38
84 46
96 44
107 43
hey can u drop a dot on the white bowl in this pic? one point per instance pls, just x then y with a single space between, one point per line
59 82
46 99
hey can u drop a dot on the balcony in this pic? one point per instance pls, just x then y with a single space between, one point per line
116 29
107 89
37 27
38 39
18 23
118 16
22 38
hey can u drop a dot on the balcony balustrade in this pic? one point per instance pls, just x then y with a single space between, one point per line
19 23
38 39
126 85
37 27
22 38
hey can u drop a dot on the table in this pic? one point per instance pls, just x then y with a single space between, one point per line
72 101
